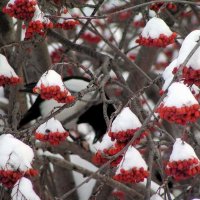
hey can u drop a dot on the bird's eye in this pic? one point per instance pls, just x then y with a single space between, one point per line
47 131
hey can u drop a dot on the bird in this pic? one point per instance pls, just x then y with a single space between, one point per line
93 115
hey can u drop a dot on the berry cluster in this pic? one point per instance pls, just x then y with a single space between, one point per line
156 6
124 136
183 169
179 115
37 27
133 175
8 178
9 80
99 157
21 9
54 92
54 138
67 24
90 38
191 76
162 41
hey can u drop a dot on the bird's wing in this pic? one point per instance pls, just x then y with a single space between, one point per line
32 113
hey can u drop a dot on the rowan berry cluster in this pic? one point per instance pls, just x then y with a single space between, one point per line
4 80
100 157
21 9
37 27
134 175
8 178
181 115
54 92
183 169
191 76
54 138
162 41
124 136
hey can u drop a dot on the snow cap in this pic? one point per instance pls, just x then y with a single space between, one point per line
188 44
14 154
125 120
52 125
131 159
179 95
182 151
51 78
154 27
5 68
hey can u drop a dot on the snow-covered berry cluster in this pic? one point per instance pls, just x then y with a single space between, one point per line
134 175
178 109
181 115
183 162
156 33
51 86
162 41
38 25
100 157
21 9
7 73
51 131
124 127
91 38
124 136
15 160
132 169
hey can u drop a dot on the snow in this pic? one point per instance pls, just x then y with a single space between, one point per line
106 142
14 154
125 120
53 46
188 44
66 15
161 58
51 125
156 197
179 95
168 75
154 27
51 78
182 151
40 152
85 191
76 85
39 15
5 68
23 189
132 159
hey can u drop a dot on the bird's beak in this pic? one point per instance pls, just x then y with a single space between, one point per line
95 140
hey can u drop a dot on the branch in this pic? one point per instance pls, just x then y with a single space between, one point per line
107 180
